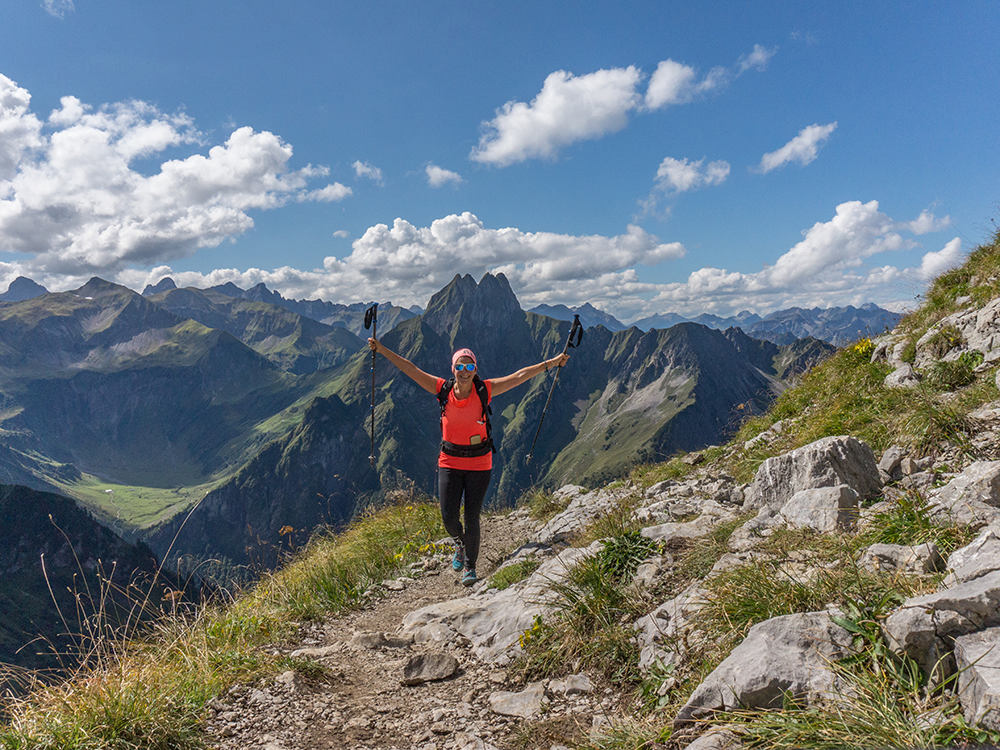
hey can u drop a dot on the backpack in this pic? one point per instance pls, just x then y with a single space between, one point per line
468 451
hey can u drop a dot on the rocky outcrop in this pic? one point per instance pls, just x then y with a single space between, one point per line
828 462
786 656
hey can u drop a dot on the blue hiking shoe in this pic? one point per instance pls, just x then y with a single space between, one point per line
470 577
458 561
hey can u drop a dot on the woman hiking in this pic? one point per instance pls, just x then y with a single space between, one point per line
466 458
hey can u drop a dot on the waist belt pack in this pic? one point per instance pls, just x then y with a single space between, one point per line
467 451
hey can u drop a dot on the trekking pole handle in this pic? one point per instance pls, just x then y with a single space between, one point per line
575 330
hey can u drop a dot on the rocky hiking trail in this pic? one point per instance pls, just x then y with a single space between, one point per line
359 700
424 664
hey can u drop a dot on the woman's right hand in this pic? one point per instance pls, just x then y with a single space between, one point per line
373 344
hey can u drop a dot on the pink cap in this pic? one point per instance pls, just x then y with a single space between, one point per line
463 353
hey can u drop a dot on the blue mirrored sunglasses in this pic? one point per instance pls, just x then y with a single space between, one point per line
471 367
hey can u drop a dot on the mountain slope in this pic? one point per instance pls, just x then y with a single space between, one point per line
50 552
624 398
293 342
102 383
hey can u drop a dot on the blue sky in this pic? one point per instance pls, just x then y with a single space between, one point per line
644 157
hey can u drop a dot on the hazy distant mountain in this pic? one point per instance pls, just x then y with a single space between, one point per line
838 325
351 317
294 342
590 316
21 289
835 325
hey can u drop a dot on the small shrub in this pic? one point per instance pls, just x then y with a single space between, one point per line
908 522
593 608
953 374
508 575
621 555
542 505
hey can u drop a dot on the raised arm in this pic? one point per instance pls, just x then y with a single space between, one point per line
504 384
405 366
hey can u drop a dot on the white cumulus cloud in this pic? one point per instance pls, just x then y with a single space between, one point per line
73 201
803 148
364 169
437 177
568 109
572 108
935 263
681 175
407 264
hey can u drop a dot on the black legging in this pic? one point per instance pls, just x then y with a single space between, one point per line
452 484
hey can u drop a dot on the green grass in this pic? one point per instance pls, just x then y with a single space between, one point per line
508 575
150 691
589 627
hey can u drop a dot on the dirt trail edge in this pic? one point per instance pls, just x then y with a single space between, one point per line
360 700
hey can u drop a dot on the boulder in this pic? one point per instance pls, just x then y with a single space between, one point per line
924 626
890 462
429 667
823 509
574 684
903 376
902 558
973 497
494 621
976 559
661 632
827 462
584 508
787 655
977 657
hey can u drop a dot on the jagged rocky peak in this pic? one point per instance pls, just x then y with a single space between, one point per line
21 289
260 293
489 305
166 284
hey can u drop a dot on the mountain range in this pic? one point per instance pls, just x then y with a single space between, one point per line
215 426
835 325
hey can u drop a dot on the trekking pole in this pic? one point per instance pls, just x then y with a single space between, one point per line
371 321
575 330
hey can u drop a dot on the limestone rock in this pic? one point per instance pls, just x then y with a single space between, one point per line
790 654
494 621
660 632
979 557
524 704
584 508
890 462
903 376
971 497
921 558
978 660
823 509
827 462
429 667
923 625
574 684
